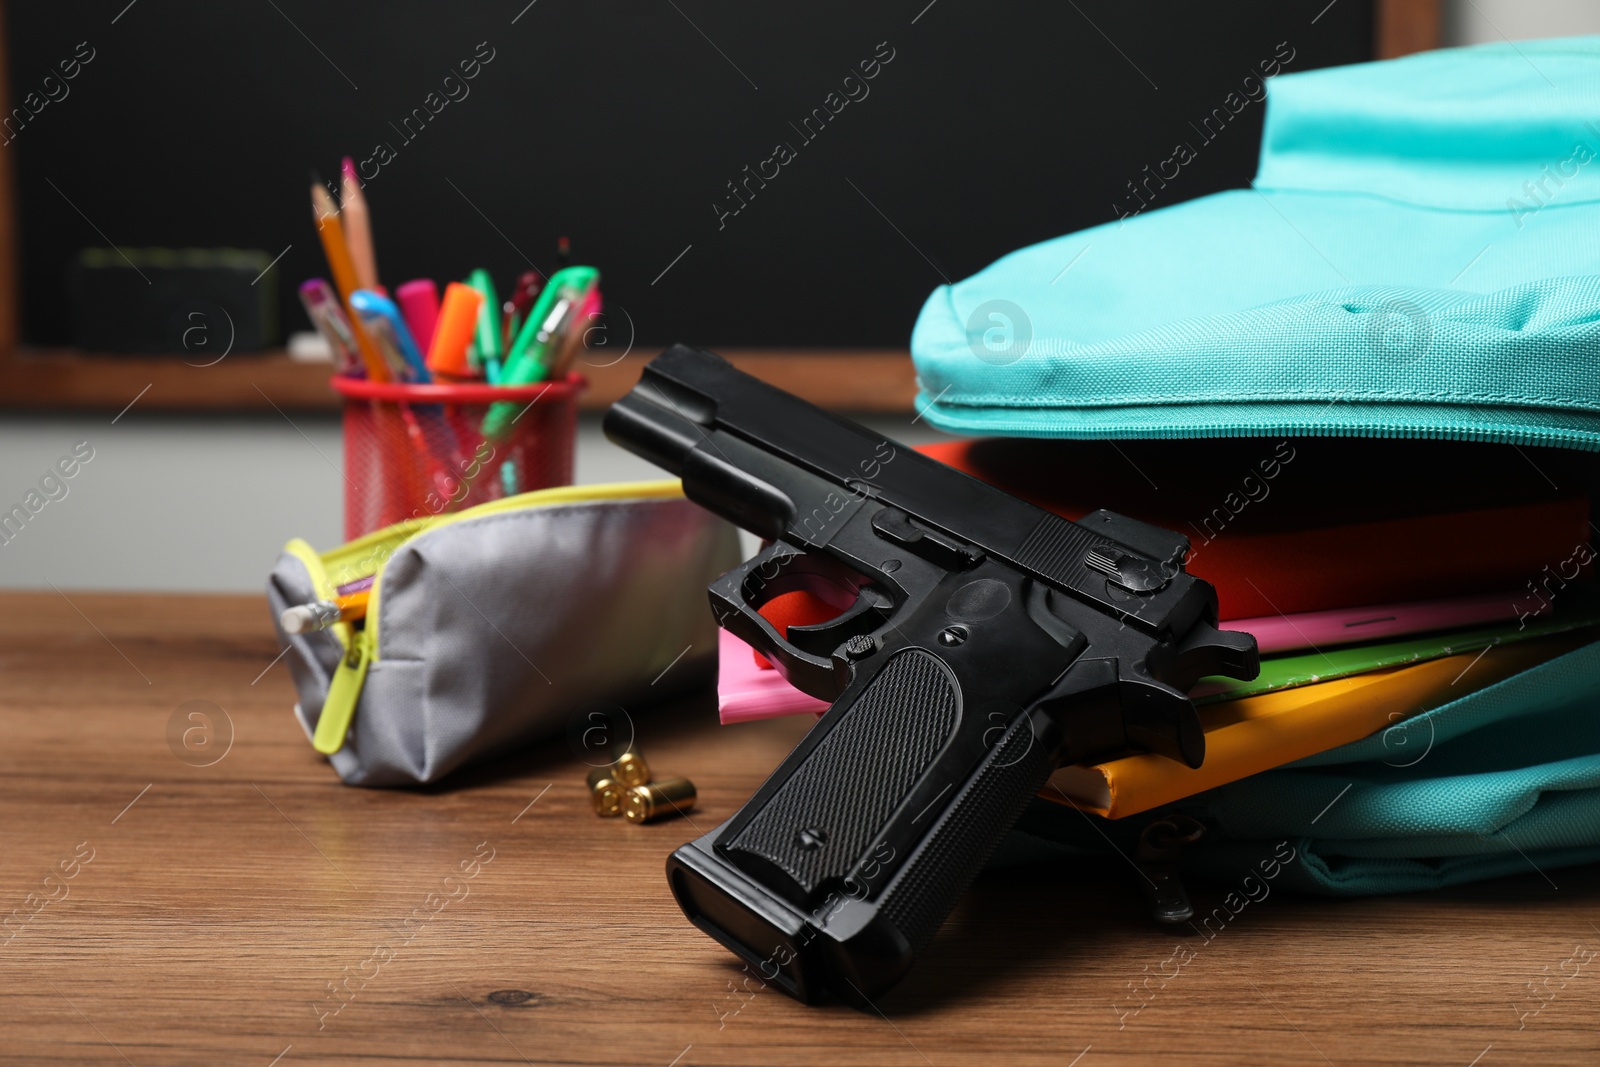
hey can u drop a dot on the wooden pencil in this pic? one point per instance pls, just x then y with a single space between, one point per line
344 274
357 226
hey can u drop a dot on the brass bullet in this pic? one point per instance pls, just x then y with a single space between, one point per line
605 792
630 769
659 800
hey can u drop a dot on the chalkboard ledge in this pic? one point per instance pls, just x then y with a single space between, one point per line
864 380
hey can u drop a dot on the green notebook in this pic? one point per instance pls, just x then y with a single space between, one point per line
1308 668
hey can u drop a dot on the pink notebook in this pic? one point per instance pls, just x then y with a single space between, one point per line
745 691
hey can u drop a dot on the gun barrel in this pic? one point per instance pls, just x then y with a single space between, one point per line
691 409
694 394
651 431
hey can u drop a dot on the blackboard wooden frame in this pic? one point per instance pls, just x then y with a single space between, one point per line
844 380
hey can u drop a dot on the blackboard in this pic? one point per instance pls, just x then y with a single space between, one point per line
732 168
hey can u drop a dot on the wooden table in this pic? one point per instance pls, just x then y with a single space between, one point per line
211 909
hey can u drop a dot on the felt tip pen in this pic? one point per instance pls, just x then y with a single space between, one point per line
381 319
574 335
419 303
458 321
529 358
509 321
529 282
357 585
327 315
487 339
567 290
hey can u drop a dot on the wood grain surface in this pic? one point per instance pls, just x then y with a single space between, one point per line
200 914
868 379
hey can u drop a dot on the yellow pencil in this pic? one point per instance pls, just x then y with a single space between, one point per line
358 226
344 275
321 614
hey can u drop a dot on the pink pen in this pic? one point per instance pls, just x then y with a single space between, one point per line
327 315
419 305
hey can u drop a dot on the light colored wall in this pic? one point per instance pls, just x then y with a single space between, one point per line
1482 21
167 502
204 503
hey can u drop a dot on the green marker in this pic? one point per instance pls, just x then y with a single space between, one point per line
487 341
529 358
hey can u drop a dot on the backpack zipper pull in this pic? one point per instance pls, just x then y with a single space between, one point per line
343 691
1161 845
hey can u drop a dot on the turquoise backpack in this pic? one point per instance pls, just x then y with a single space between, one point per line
1503 780
1418 256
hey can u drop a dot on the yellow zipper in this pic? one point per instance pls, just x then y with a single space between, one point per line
361 646
339 707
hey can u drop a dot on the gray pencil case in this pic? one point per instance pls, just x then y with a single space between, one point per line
499 625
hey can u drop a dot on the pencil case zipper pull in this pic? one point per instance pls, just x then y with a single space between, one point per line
344 691
1160 850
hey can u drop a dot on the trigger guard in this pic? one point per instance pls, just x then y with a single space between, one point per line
863 616
737 596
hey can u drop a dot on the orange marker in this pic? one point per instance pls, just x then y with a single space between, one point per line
344 275
458 322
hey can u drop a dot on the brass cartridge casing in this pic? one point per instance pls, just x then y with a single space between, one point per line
659 800
631 769
605 792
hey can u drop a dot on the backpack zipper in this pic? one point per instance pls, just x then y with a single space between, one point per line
1158 857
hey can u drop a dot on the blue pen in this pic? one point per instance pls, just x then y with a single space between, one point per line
427 425
381 318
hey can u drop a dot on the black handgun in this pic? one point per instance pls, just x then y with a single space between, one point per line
981 642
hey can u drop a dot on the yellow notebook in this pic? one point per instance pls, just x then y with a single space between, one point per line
1244 737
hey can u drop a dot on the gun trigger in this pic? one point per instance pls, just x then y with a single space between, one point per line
870 609
1206 650
1162 720
894 525
734 599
